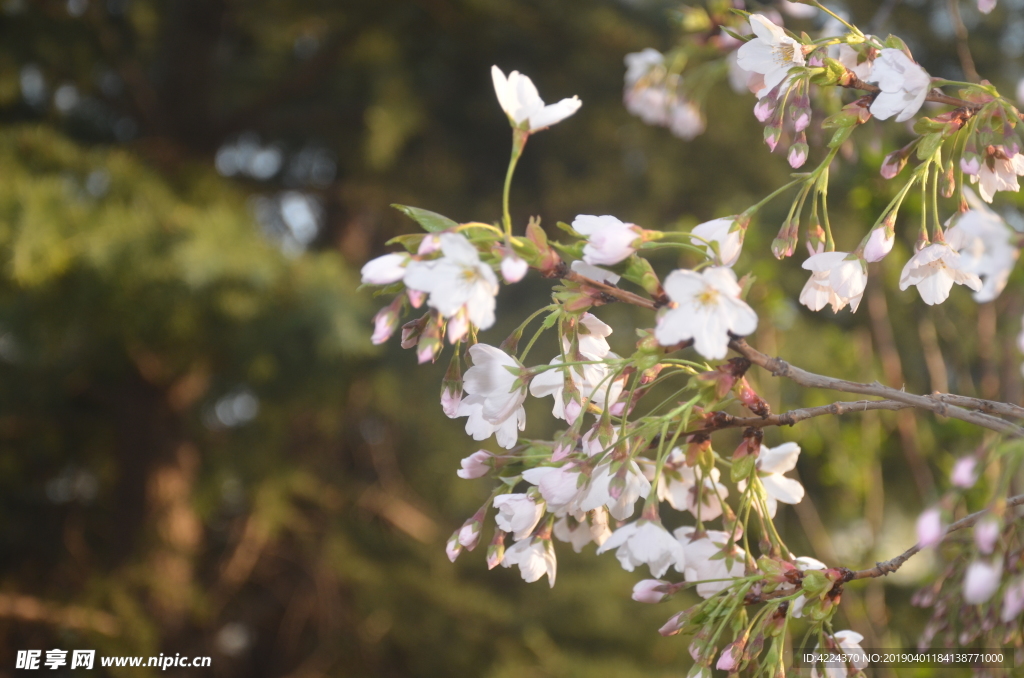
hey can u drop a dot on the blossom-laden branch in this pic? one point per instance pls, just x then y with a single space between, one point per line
851 81
889 566
720 420
935 403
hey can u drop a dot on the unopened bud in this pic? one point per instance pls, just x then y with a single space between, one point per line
784 243
947 184
453 548
798 151
386 321
412 330
430 345
772 133
751 400
894 163
651 591
496 550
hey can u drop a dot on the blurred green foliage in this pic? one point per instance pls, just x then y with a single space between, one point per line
200 451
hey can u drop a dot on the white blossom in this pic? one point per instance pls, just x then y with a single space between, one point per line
930 529
385 270
639 64
964 473
804 563
679 487
771 464
933 270
684 118
535 558
518 514
997 171
495 401
609 240
645 542
559 485
705 562
721 232
598 493
771 53
456 281
513 268
1013 600
579 533
594 272
981 580
837 278
707 308
904 86
851 58
849 641
985 245
522 104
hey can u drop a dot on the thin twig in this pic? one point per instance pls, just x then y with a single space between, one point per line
889 566
613 291
779 367
963 50
720 420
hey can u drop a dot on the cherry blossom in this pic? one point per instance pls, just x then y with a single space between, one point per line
622 504
495 401
518 514
850 642
837 278
851 58
879 244
1013 600
522 104
804 563
964 473
726 233
904 86
933 270
684 118
385 270
771 53
601 275
535 557
707 308
771 464
997 171
985 245
609 240
513 268
703 563
650 591
986 534
456 281
930 529
559 485
678 486
981 580
645 542
476 465
579 533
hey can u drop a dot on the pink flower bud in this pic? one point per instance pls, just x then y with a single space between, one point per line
496 550
930 529
572 411
771 136
981 581
879 244
797 155
986 6
970 163
469 534
453 548
416 298
475 465
385 270
650 591
450 401
893 164
764 109
424 353
458 326
986 533
964 473
386 321
513 268
430 244
732 654
1013 600
674 624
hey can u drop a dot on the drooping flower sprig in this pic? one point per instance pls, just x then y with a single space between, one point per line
626 448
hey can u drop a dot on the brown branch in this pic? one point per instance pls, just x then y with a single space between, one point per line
720 420
779 367
31 609
963 50
889 566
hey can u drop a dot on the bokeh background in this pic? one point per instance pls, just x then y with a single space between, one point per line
200 451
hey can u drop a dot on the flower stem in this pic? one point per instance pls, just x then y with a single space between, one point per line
519 138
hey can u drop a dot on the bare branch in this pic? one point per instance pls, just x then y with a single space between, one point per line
889 566
31 609
779 367
720 420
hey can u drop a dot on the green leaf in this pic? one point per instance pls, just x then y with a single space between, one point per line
430 221
929 144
